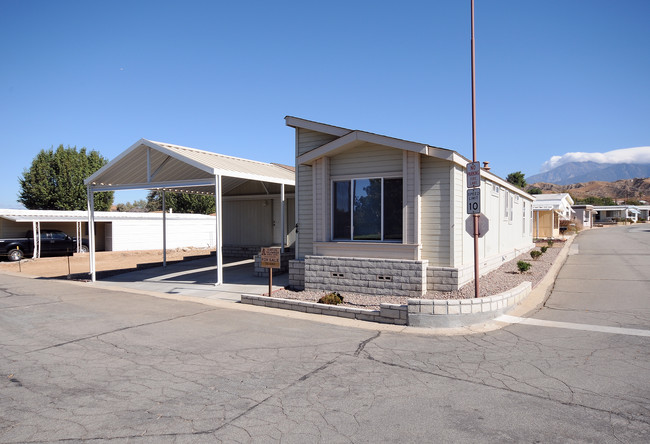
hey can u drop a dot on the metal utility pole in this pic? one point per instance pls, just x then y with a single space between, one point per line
476 216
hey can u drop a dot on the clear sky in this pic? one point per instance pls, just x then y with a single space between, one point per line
553 76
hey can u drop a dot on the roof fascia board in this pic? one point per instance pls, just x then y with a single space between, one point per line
355 138
258 177
151 185
296 122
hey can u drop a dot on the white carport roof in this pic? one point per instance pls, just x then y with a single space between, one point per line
82 216
156 165
150 165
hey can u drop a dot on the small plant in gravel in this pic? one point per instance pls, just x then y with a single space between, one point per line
544 249
333 298
535 254
550 243
523 266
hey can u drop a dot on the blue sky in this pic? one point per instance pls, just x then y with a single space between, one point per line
553 76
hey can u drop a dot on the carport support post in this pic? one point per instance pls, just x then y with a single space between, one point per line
218 238
164 210
91 231
282 210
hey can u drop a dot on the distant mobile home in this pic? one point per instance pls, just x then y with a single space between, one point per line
381 215
549 210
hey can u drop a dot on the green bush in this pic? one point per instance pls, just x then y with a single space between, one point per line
523 266
550 243
544 249
333 298
535 254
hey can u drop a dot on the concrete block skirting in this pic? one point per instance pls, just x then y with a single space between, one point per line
240 251
284 264
297 274
387 314
366 275
447 313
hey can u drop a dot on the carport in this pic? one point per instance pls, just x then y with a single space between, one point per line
161 166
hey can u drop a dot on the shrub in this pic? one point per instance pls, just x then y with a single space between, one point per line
535 254
544 249
523 266
333 298
550 243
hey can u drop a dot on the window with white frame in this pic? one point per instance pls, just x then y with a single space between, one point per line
367 209
523 218
506 205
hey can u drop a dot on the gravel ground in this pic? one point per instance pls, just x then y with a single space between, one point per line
502 279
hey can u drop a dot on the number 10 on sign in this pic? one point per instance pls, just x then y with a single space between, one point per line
474 201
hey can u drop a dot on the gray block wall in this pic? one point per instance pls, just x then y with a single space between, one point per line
297 275
442 279
366 275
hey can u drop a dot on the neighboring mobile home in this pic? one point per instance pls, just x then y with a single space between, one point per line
583 216
617 213
380 215
549 210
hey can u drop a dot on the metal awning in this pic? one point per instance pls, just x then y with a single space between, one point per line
162 166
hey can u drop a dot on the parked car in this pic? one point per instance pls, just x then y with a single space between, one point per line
53 243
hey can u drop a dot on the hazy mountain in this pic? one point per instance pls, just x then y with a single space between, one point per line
575 172
634 189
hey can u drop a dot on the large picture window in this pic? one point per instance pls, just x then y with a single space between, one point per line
367 209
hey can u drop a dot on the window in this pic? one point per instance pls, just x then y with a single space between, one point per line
523 219
367 209
495 189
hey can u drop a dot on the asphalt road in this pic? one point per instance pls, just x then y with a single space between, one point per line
83 363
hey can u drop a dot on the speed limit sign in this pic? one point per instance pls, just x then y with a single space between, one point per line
474 201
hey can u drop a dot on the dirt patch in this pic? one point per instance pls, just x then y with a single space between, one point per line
117 261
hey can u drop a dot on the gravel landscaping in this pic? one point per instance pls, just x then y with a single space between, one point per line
502 279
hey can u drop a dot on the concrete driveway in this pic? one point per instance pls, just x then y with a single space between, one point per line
196 278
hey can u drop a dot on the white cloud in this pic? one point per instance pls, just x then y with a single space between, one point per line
639 154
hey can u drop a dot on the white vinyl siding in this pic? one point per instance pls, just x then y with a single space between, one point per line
248 222
435 210
306 140
304 210
366 160
411 199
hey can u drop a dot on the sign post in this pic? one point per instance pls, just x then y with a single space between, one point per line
270 258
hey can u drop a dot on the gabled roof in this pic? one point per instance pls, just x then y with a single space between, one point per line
148 165
558 202
347 138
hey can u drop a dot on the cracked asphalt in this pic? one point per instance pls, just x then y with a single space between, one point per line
81 364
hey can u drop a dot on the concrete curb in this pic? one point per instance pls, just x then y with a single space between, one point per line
436 314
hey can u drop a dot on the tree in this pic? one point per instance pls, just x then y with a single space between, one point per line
55 180
517 179
534 190
138 206
182 202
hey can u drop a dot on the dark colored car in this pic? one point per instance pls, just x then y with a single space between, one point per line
53 243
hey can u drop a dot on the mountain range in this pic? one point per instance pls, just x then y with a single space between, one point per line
577 172
625 189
